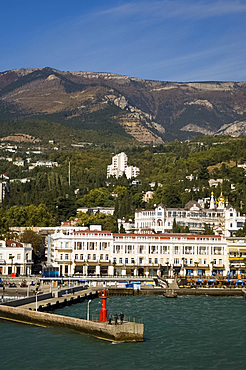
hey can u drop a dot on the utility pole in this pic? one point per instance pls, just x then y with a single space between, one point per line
69 174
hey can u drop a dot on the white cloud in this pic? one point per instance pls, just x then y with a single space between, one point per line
185 9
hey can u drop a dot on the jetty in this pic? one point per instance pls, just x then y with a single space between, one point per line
38 310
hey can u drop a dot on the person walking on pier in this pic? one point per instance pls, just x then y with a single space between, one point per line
110 318
115 318
121 318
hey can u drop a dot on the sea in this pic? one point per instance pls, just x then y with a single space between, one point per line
183 333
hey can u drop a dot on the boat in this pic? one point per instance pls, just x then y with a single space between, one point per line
170 293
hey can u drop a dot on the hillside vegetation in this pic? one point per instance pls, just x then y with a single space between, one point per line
168 164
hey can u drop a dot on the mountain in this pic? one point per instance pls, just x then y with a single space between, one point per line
148 111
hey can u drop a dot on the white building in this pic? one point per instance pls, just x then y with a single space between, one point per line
15 258
94 210
4 190
119 167
220 216
96 252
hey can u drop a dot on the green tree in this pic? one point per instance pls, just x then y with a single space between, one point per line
29 236
207 230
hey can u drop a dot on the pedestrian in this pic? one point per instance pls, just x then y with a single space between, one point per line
115 318
121 318
110 318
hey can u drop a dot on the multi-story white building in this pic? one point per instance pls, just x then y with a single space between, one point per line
89 252
119 167
4 190
220 216
237 256
15 258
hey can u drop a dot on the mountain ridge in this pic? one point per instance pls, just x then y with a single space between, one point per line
149 111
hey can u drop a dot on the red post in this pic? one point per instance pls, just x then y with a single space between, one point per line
103 313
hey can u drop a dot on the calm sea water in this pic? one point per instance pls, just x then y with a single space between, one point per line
182 333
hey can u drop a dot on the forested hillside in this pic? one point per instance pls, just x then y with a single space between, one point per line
168 164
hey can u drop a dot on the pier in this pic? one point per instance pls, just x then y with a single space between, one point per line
36 310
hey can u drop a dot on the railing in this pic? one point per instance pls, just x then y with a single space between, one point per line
96 317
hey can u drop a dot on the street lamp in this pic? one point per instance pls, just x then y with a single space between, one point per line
36 293
88 310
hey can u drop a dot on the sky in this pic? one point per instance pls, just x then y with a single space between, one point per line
167 40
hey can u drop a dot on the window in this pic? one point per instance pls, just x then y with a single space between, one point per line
150 260
101 256
81 257
156 260
176 261
18 256
61 256
76 256
94 257
191 261
132 260
89 257
66 256
126 260
106 257
220 261
120 261
114 260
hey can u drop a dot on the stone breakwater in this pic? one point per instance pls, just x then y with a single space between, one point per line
129 331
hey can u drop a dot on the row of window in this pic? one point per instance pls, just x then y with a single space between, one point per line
11 257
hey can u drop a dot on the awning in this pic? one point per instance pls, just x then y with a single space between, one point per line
240 281
200 281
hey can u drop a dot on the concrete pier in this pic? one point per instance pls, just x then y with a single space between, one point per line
24 310
128 331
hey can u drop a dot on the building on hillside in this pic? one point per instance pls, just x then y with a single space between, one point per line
15 258
102 253
215 182
46 164
19 162
4 190
147 196
94 210
220 216
119 167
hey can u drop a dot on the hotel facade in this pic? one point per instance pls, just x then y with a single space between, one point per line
220 216
100 253
15 258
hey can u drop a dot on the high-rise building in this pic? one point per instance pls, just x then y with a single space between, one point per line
119 167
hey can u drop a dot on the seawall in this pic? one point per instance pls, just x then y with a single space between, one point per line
218 292
128 331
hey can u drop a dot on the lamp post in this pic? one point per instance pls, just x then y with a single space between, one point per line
36 293
88 310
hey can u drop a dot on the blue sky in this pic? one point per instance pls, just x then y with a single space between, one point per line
168 40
